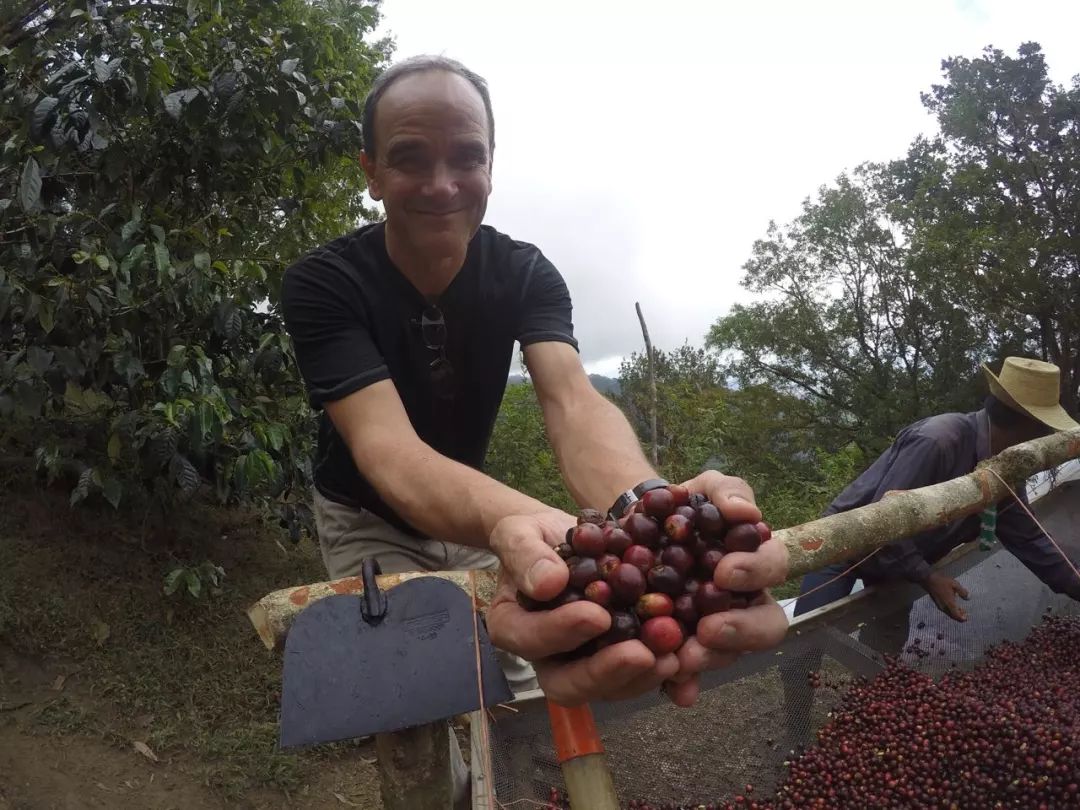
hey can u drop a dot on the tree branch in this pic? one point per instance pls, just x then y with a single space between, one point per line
849 536
841 537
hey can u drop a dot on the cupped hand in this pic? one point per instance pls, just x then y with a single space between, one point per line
525 546
722 637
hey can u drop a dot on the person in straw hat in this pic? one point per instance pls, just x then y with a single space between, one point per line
1023 404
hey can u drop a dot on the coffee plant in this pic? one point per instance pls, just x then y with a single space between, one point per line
160 165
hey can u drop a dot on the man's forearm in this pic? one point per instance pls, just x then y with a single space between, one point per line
445 499
598 452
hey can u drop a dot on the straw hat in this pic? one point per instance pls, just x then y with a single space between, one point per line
1032 387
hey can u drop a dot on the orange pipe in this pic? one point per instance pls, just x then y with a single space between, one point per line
573 731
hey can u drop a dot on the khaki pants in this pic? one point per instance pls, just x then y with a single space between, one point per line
347 536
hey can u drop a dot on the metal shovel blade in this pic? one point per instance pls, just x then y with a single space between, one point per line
363 664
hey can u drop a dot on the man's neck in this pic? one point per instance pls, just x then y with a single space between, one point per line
429 276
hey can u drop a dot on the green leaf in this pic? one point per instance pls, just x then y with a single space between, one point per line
184 474
194 584
161 257
288 67
276 435
82 489
102 262
39 359
94 302
43 116
84 402
30 185
129 230
173 580
133 257
112 490
233 324
4 205
46 316
103 71
177 355
115 448
202 261
174 104
159 232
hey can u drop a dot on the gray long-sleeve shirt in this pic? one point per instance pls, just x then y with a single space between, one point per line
937 449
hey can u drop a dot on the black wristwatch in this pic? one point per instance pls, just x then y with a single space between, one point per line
624 501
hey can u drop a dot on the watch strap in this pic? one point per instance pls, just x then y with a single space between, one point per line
631 496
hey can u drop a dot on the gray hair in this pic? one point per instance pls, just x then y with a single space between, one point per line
419 64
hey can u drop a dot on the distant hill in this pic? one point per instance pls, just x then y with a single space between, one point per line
605 385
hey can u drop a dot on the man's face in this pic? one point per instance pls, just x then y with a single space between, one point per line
433 166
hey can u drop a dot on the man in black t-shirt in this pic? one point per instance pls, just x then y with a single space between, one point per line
404 332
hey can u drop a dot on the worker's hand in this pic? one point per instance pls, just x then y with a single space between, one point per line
524 544
944 590
722 637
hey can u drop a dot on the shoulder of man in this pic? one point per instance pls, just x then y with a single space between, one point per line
944 433
502 247
343 251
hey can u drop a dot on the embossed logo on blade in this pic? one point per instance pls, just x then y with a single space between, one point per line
427 626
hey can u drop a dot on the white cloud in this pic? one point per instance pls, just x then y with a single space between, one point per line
645 146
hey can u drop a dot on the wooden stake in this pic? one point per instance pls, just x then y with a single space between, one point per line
414 768
652 380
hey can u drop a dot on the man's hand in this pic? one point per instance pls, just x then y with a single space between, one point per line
529 562
944 590
722 637
524 544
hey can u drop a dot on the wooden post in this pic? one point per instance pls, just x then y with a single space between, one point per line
652 380
414 768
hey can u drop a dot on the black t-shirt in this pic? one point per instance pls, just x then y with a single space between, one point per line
355 319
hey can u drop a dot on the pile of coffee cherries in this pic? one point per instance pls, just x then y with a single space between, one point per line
653 569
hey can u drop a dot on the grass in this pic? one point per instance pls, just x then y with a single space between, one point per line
84 586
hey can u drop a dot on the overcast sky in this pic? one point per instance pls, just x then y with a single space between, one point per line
644 146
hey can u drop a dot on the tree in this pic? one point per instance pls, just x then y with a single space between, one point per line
758 433
161 165
520 454
690 407
1009 198
850 320
881 300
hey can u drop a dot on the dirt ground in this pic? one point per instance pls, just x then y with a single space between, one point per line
114 695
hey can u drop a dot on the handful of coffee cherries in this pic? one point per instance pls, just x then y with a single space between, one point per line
653 568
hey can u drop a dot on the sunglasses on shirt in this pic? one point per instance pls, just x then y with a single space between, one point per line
433 331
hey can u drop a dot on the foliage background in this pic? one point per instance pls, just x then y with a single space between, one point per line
161 164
